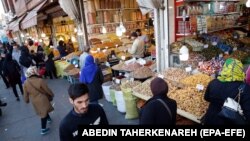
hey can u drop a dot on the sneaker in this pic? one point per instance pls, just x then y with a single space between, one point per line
3 104
44 131
100 104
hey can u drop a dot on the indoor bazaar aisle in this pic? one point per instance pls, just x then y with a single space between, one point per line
19 122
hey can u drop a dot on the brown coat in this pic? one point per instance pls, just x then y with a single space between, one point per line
39 100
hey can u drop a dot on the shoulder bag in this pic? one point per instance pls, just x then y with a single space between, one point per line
231 110
166 106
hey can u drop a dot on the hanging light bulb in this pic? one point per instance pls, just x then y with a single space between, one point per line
184 54
61 38
104 30
122 28
73 39
75 30
248 3
43 35
118 31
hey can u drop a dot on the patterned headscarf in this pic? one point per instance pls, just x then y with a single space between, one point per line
31 71
232 71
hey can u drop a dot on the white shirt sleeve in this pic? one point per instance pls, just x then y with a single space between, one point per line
134 46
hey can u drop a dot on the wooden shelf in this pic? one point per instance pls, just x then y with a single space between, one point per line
182 34
210 0
226 28
117 22
117 9
215 14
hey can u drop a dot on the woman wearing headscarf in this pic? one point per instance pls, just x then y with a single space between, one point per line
92 76
25 61
226 85
160 109
37 91
248 75
11 71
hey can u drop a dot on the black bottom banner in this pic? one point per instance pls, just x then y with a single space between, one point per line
196 132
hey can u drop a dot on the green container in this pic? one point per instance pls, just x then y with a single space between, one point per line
112 96
130 103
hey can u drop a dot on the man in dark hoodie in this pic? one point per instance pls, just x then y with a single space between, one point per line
159 109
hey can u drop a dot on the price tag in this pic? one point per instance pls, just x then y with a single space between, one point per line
104 50
142 62
76 66
98 49
106 47
188 69
221 55
235 48
116 45
214 43
161 76
132 79
126 75
107 64
123 57
226 52
117 81
206 46
199 87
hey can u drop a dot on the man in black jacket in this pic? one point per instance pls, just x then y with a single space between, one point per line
82 113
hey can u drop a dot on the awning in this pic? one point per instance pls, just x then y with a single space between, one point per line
14 26
31 18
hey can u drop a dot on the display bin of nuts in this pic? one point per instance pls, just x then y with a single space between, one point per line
195 79
191 101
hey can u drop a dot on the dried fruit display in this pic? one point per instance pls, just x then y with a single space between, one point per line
174 74
211 52
190 100
119 66
234 43
211 67
239 55
142 72
132 66
144 88
194 59
130 84
195 79
101 56
175 46
71 55
245 40
197 46
126 55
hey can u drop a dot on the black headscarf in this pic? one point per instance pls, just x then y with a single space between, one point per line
159 87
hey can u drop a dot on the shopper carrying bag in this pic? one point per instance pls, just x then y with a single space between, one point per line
35 90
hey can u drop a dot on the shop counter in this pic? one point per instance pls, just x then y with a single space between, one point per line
179 111
60 66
